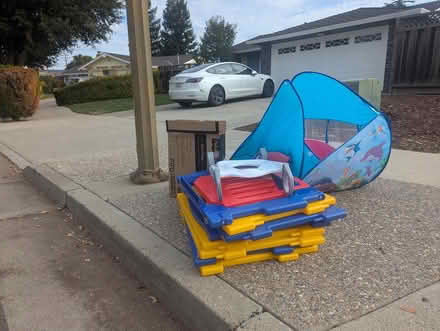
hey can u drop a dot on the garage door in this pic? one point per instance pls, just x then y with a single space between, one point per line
352 55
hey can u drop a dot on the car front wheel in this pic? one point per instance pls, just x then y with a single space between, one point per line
216 96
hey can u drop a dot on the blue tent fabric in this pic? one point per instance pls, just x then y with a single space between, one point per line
310 160
324 97
281 130
315 96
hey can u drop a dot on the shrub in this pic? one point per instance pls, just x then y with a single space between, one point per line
95 89
49 83
19 92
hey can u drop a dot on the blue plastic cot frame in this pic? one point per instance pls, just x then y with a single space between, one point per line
264 231
217 215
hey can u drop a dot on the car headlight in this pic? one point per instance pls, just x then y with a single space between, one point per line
194 80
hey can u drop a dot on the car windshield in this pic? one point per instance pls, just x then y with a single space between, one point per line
197 68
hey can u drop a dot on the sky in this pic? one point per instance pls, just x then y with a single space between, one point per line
253 17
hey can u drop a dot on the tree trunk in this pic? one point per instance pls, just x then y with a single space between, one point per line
20 58
10 58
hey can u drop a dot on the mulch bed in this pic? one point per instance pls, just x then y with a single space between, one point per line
415 121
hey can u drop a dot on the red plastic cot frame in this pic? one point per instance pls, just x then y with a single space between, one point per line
242 191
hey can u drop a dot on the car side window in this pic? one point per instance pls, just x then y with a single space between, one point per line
240 69
223 69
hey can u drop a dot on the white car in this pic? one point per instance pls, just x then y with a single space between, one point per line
218 82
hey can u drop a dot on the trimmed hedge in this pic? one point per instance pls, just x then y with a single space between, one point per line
19 92
95 89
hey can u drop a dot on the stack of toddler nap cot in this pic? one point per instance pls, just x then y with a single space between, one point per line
250 211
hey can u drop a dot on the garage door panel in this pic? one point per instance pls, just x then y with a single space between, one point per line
363 57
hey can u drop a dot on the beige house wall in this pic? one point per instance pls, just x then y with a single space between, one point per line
108 66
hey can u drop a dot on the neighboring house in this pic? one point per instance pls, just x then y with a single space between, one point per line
108 64
74 75
52 72
353 45
111 64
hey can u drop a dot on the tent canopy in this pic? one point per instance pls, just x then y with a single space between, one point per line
283 121
324 97
360 155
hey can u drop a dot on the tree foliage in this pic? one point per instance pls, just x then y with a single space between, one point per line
217 40
78 60
177 36
35 32
154 29
399 3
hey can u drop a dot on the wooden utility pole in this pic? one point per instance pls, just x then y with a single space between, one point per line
148 171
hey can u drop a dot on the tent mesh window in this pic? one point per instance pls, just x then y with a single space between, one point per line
334 133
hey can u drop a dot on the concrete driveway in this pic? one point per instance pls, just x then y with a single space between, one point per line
93 148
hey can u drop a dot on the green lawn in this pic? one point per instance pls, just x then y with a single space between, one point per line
113 105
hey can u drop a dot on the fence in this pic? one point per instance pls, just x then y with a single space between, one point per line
416 59
165 74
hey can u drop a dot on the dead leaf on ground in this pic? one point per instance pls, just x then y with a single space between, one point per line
408 309
153 299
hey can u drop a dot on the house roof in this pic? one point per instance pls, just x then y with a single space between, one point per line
99 55
339 20
244 47
124 58
75 70
352 15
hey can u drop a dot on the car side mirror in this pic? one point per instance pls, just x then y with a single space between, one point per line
253 73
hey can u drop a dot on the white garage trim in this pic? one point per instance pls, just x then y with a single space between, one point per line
362 56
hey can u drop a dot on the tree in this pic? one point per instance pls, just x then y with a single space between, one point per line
398 3
154 29
35 32
218 38
78 60
177 36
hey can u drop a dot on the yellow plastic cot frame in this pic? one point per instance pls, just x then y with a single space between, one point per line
219 266
250 223
302 236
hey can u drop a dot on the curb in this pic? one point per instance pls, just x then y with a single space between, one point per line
14 157
200 303
55 185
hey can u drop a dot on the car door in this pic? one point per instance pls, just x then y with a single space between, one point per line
225 77
248 84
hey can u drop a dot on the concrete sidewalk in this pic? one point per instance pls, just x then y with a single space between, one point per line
53 276
386 249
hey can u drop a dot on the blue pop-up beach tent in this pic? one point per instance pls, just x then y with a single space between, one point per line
335 139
